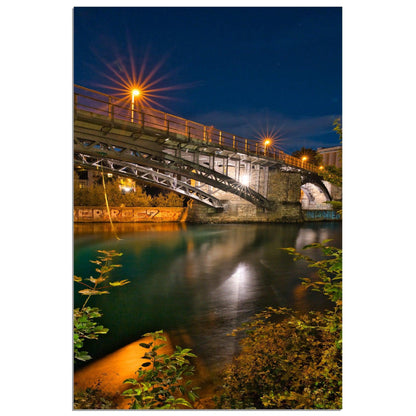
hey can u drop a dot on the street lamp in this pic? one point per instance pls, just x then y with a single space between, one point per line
266 142
134 93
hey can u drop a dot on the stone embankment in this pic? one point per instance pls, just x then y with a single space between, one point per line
130 214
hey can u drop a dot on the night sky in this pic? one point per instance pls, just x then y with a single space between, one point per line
247 71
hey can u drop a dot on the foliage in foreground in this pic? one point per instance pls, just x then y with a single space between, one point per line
93 398
84 320
162 379
291 360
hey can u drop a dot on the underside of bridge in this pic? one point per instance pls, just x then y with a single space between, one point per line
314 193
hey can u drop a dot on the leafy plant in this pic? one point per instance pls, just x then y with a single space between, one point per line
94 196
86 328
332 174
94 398
292 360
170 199
161 381
312 155
84 318
329 282
336 205
338 128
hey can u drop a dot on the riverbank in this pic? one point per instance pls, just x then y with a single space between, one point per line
178 214
130 214
108 373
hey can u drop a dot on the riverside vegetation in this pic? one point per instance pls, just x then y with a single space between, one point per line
288 360
94 196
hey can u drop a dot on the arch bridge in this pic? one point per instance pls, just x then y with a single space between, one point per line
197 161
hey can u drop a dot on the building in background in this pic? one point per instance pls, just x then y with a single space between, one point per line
331 156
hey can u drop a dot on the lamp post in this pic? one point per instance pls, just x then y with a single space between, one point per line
267 142
134 93
304 159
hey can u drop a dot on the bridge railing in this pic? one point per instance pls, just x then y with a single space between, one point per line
113 108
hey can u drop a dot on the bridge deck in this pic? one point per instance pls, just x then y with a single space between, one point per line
174 132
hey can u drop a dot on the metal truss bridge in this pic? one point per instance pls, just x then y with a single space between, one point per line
198 161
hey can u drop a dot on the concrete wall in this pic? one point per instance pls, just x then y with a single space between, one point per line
130 214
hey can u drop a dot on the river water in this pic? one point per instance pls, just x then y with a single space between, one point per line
197 282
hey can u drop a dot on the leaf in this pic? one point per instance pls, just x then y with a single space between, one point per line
82 356
130 381
96 281
77 279
120 283
192 396
89 292
144 345
146 364
100 330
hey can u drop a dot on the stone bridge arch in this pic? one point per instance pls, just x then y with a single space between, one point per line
314 193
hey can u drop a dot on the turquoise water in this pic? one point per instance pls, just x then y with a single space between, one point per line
197 282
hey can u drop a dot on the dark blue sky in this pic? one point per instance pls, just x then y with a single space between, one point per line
243 70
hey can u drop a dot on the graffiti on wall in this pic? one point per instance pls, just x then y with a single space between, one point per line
127 214
320 215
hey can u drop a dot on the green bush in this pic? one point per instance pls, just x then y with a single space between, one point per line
332 174
85 326
94 398
162 379
94 196
291 360
171 199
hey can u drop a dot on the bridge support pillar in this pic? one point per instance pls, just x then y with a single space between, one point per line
282 187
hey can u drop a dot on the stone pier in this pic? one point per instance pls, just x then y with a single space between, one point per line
283 188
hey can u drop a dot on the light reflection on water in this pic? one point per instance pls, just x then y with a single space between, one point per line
198 282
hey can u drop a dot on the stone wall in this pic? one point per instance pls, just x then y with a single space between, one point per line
283 188
321 215
130 214
335 191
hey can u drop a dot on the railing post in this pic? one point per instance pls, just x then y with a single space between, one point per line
110 109
142 117
205 133
234 142
256 148
245 146
75 103
220 138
